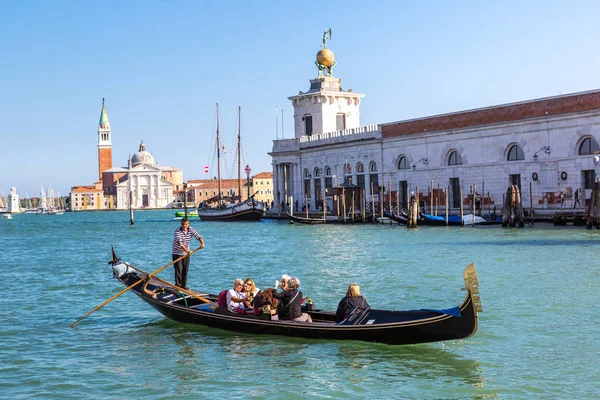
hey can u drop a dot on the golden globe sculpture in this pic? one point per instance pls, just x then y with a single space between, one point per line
325 57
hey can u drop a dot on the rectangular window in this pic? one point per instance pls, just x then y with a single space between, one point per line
360 181
307 188
374 182
588 179
318 194
340 122
328 182
308 126
403 193
455 192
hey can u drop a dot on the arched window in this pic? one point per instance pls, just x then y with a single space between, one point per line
588 146
328 178
403 163
360 175
347 169
317 172
307 177
373 177
454 158
515 153
348 174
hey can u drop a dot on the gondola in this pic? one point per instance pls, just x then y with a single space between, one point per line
399 218
435 220
371 325
329 219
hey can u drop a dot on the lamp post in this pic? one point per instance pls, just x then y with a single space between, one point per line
422 160
248 176
545 149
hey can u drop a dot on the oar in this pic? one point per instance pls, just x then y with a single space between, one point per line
132 286
172 285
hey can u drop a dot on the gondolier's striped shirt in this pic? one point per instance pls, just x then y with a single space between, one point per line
181 238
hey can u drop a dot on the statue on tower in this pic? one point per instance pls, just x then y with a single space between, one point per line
325 57
324 39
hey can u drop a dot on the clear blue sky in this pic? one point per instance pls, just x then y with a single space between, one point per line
162 65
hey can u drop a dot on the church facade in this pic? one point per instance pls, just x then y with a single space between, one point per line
545 146
143 181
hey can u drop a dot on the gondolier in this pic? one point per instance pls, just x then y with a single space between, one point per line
181 247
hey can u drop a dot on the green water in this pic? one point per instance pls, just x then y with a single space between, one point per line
538 337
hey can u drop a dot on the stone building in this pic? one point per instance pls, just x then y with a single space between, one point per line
545 146
147 182
151 185
262 186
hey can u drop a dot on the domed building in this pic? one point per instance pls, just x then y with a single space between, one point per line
151 186
142 156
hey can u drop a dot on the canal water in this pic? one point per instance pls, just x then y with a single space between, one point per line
538 337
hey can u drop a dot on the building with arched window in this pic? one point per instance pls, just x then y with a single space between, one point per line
547 144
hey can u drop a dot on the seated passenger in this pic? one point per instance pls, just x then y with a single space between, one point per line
264 303
235 296
291 299
352 300
283 285
250 290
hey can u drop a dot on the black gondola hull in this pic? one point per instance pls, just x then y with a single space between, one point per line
390 327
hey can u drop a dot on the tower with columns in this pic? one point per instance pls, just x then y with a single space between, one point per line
326 107
104 143
325 114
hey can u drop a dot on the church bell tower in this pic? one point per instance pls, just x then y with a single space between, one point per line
104 143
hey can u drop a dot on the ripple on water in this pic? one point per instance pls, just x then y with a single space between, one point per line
537 337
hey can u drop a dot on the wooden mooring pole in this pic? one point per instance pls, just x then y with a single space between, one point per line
131 221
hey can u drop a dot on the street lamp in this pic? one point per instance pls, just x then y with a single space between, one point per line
248 176
545 149
422 160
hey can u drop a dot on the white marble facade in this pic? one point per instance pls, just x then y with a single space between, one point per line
148 189
494 147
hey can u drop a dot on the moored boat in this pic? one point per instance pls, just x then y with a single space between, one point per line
372 325
329 219
250 210
216 208
190 213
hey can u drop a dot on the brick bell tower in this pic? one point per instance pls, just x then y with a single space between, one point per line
104 143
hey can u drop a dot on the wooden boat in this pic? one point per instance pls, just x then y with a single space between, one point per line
190 213
214 209
399 218
250 210
435 220
329 219
371 325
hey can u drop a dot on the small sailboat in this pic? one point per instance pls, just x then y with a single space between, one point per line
216 208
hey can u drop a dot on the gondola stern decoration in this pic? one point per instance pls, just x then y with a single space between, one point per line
472 285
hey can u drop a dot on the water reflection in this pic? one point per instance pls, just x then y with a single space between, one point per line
316 363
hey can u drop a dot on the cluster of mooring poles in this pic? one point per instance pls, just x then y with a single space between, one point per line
512 212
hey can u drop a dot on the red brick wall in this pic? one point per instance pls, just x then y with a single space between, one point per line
104 160
499 114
